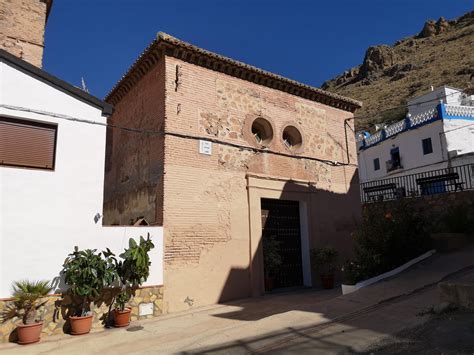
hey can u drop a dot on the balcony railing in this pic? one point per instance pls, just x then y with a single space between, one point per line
452 179
459 111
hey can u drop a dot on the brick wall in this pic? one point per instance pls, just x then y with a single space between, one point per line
203 200
134 161
205 197
22 24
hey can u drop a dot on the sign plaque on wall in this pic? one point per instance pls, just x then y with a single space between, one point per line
205 147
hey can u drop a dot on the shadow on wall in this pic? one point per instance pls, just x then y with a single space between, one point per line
331 219
236 286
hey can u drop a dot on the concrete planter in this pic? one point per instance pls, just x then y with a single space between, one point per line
351 288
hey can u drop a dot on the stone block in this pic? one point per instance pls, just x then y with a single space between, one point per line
54 312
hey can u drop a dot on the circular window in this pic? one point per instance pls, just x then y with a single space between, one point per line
292 138
262 131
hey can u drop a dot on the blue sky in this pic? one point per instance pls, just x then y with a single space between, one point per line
309 41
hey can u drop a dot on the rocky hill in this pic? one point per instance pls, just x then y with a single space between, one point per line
441 54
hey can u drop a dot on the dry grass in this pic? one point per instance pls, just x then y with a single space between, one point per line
444 59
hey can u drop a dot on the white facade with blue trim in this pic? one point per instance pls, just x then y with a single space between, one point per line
437 133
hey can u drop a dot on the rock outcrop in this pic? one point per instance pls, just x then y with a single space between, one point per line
376 59
441 54
432 28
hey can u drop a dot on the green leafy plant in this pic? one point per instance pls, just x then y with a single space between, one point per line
388 236
27 296
271 255
87 273
325 259
351 273
458 219
134 268
122 299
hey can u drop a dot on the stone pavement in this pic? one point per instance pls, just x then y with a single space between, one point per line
308 321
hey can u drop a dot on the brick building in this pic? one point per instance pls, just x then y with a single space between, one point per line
22 24
224 155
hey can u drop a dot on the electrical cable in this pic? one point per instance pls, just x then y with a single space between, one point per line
213 140
176 134
402 106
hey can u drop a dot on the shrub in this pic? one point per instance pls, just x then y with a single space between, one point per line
351 273
134 268
388 236
325 259
458 219
271 255
26 300
87 273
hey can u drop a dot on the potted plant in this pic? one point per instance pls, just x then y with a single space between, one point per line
86 273
271 260
27 297
133 270
351 274
324 260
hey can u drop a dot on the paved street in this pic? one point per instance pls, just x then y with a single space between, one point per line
307 321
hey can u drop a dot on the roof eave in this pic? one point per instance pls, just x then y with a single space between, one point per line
174 47
107 108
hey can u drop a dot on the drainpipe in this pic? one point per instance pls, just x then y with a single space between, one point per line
345 134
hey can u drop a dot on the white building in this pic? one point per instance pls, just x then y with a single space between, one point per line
52 176
430 151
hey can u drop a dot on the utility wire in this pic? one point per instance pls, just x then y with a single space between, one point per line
404 106
178 135
213 140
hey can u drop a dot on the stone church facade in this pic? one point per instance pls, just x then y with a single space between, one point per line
218 152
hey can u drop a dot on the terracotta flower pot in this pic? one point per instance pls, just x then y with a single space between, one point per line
81 325
29 333
122 318
269 283
327 281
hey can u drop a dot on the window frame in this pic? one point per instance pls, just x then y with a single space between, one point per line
423 146
396 157
33 123
376 163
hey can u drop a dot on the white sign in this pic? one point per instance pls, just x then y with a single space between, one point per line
205 147
145 309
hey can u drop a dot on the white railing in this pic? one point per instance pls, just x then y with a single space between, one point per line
395 128
417 120
424 117
463 111
374 138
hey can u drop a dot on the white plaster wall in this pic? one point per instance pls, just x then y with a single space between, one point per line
44 214
459 135
420 104
411 152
